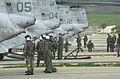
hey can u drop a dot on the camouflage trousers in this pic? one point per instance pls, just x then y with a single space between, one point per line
108 47
53 53
60 52
112 47
30 64
89 49
40 57
48 62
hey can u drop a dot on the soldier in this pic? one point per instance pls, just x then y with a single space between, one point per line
85 40
54 46
111 44
29 52
90 46
79 43
108 42
40 48
118 45
66 45
48 56
60 47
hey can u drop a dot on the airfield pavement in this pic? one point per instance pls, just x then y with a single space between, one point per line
63 73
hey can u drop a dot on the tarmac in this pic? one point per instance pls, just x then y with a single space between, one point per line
69 72
63 73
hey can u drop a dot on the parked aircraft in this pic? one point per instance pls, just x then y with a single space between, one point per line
41 17
38 20
73 21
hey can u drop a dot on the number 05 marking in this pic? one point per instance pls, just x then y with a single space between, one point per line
24 6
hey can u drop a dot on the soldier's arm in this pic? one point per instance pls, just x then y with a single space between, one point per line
34 48
87 38
117 42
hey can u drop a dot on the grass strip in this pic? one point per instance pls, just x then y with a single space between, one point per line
70 65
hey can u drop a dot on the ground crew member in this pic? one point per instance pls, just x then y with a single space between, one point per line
54 46
79 43
40 50
48 56
118 45
108 43
85 40
66 45
29 52
90 46
111 44
60 47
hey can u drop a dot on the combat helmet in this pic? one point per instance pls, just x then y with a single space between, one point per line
28 36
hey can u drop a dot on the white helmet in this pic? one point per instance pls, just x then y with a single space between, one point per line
40 38
28 38
44 36
47 37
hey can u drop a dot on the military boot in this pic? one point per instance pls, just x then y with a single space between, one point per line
28 73
54 70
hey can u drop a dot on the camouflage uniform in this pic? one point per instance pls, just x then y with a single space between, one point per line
40 50
79 44
60 48
48 57
90 46
85 41
118 45
29 55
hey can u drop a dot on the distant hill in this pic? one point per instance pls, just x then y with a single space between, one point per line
99 11
95 6
92 0
102 9
99 19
